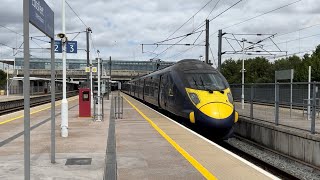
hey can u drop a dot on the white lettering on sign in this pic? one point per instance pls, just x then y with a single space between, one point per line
39 18
36 4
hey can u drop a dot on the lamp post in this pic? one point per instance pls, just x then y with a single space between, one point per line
91 84
8 80
64 103
99 90
242 71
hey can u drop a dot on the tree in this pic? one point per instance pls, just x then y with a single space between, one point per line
231 71
260 70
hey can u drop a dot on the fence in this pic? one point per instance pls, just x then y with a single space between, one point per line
98 111
281 103
118 106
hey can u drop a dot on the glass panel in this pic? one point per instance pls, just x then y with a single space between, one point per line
206 81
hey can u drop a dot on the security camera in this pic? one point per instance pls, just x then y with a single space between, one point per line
61 35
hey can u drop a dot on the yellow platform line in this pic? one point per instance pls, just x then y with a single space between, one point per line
207 174
34 112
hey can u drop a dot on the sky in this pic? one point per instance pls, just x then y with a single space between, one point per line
119 27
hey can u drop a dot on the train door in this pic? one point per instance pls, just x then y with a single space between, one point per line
162 91
170 89
135 89
143 88
138 88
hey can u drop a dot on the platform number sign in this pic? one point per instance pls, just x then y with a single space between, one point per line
71 46
57 47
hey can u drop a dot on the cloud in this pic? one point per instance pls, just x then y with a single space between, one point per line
119 27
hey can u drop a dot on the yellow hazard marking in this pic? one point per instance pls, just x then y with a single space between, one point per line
207 174
34 112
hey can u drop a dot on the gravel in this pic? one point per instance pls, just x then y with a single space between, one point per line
290 166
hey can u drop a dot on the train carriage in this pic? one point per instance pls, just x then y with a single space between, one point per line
190 89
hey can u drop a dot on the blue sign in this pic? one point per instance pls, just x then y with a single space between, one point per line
71 46
41 16
57 47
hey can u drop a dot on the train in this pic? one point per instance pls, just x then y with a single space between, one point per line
190 89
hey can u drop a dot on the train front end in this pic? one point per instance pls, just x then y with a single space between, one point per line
212 103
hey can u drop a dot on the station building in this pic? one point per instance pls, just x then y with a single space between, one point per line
40 69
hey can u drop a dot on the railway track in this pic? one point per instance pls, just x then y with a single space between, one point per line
16 105
260 163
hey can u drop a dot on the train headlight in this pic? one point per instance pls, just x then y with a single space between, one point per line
194 98
230 98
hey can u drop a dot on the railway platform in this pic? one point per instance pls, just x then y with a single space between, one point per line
86 143
5 98
142 145
151 146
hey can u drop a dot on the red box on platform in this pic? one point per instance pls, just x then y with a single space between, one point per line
84 102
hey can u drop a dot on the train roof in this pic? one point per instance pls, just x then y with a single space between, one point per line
191 64
183 65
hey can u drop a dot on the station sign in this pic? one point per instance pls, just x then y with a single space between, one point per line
57 47
42 17
71 47
284 74
92 69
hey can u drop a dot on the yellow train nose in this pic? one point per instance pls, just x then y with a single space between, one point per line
217 110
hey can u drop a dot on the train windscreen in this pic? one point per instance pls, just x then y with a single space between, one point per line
207 81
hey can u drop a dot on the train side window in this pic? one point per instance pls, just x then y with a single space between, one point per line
146 87
150 87
156 84
170 86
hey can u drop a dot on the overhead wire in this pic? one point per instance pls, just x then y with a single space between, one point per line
300 52
185 23
188 34
10 30
254 17
169 47
202 26
213 59
221 13
292 40
76 14
209 14
184 51
190 18
93 45
278 35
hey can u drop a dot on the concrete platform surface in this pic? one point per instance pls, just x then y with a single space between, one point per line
142 153
151 146
87 139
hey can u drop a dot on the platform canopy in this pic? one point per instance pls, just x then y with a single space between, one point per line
7 61
39 79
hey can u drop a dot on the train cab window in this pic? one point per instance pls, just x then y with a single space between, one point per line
206 81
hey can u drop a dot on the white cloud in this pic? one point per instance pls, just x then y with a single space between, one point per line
120 26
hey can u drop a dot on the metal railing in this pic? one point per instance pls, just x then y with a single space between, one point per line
118 107
294 105
96 112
